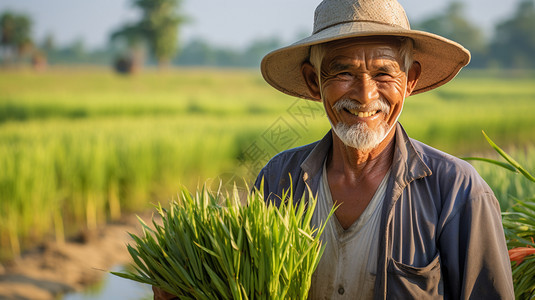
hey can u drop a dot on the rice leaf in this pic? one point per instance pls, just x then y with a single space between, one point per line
509 159
495 162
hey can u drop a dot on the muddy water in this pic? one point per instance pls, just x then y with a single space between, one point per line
113 287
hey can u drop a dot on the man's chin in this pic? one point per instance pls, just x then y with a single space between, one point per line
359 136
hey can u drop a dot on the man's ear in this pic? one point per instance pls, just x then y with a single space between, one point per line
311 80
413 76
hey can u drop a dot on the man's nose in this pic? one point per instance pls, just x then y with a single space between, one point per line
364 90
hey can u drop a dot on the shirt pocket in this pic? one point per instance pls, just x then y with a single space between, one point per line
408 282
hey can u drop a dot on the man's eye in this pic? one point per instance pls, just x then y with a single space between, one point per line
344 74
382 75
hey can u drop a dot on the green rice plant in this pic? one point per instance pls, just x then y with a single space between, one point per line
508 187
81 146
59 176
209 246
519 228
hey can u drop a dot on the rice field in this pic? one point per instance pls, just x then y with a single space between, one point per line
79 147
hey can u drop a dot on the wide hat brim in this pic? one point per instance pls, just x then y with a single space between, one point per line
441 59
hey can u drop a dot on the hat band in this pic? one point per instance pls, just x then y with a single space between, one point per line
356 21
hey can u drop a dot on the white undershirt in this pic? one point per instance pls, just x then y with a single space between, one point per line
348 266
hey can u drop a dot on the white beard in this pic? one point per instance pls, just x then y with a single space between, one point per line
360 136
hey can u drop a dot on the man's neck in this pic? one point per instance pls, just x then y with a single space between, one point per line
355 175
356 165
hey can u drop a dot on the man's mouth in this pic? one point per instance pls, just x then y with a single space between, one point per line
361 114
362 111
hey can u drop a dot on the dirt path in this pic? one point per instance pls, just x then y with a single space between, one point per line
51 270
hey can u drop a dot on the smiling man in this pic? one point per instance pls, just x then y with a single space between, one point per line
412 222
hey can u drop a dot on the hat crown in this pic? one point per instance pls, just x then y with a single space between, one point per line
332 12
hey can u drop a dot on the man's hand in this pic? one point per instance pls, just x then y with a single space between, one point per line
160 294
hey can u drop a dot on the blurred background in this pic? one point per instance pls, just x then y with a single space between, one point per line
234 33
109 106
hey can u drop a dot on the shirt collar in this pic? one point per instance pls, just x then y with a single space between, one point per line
313 163
407 161
407 165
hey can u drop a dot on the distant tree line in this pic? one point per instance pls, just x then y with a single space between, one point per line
200 53
511 46
154 40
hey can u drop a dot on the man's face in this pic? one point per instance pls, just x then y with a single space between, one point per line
363 88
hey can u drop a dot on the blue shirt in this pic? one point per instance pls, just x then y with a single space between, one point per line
441 235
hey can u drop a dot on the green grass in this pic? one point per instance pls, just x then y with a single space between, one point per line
81 146
452 117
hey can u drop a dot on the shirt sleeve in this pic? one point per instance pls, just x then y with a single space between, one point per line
260 180
474 253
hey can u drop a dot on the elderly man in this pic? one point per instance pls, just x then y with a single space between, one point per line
412 222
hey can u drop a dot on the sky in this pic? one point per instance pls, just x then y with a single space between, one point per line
229 23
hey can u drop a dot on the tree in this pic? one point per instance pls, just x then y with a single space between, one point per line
453 25
158 27
49 44
197 53
15 34
513 45
200 53
258 49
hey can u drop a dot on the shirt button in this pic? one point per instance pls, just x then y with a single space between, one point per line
341 291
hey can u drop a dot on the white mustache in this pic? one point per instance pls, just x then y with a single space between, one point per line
349 104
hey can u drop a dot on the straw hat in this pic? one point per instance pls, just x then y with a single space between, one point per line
441 59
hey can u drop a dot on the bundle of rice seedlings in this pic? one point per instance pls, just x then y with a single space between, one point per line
208 246
519 228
